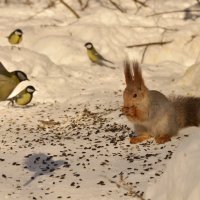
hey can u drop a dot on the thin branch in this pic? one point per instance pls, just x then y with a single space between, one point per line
158 27
191 39
117 6
50 5
144 52
80 2
149 44
86 5
170 12
167 29
122 184
70 8
141 3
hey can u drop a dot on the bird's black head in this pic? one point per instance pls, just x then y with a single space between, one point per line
21 76
89 45
18 32
30 89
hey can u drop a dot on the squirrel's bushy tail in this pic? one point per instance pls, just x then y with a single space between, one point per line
187 110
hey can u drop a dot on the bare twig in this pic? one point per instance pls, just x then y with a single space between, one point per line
170 12
80 2
70 8
122 184
141 3
156 27
117 6
51 4
149 44
167 29
191 39
143 54
86 5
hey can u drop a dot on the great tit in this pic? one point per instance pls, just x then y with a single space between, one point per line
15 37
94 56
24 97
9 80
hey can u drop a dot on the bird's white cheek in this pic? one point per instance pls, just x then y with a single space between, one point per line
89 46
30 90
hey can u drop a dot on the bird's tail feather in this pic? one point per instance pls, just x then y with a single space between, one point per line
108 61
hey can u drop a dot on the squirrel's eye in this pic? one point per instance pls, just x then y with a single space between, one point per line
134 95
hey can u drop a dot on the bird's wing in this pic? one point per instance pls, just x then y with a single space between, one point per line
19 95
98 55
4 79
101 57
3 70
11 34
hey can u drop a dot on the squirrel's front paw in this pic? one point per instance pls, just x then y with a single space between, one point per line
128 111
124 110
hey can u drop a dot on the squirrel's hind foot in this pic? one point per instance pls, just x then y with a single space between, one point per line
140 138
159 139
162 139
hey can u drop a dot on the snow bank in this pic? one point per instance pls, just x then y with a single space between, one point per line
190 79
181 179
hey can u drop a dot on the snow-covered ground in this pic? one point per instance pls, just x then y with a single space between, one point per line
72 141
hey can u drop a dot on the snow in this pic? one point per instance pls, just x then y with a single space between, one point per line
75 114
182 170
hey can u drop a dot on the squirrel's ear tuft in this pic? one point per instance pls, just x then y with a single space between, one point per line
128 73
138 80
